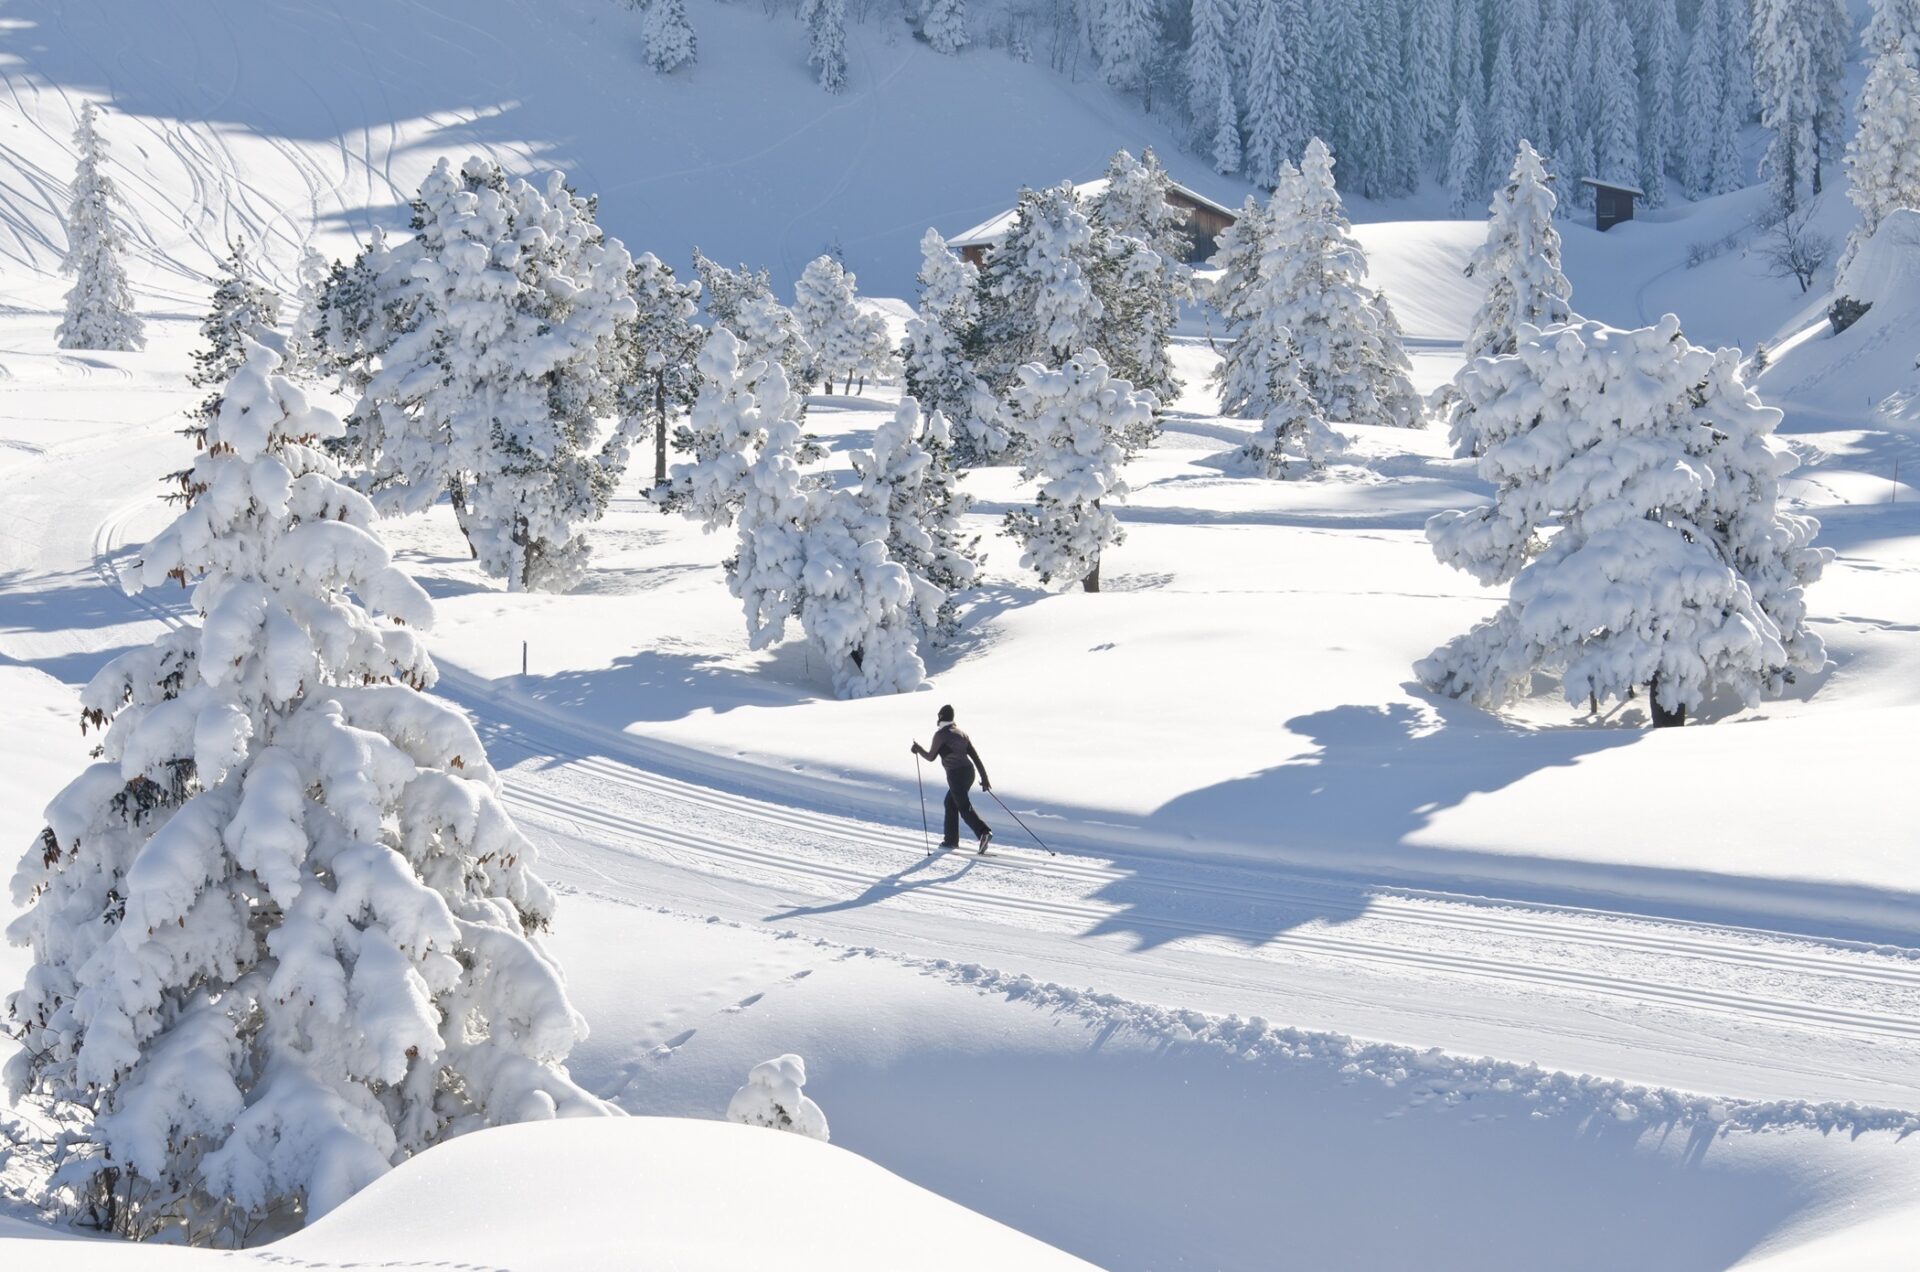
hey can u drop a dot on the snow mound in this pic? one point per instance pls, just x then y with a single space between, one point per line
632 1193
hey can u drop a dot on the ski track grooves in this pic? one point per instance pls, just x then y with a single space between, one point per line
681 843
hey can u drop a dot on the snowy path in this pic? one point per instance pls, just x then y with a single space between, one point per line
1696 1006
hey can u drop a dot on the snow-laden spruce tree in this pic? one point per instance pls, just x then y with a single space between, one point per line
1037 300
939 373
1280 89
1699 103
1237 253
1127 36
1314 284
803 550
826 23
1894 24
773 1098
1207 69
1507 108
1661 52
847 340
1636 521
944 24
1463 162
99 311
1883 160
1077 421
1520 262
671 43
243 310
769 331
283 928
910 477
503 313
658 349
1799 52
1293 441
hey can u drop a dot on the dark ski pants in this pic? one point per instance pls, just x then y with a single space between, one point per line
960 804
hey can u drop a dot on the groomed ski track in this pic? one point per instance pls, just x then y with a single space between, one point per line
1715 1008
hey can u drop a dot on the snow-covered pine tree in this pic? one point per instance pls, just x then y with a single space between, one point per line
1464 164
1281 105
99 312
1894 23
671 43
720 432
1636 520
1519 263
1507 110
1260 356
1727 168
305 349
1661 51
1790 55
1139 272
1468 61
909 477
846 340
1293 441
944 24
773 1098
1616 141
1426 63
1699 103
1129 34
939 374
1314 285
726 290
283 929
769 330
503 315
1076 421
243 310
658 349
1558 113
1237 253
1037 302
1883 160
826 23
1208 69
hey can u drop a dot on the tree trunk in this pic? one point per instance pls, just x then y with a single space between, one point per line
848 386
660 430
1092 582
457 493
1663 718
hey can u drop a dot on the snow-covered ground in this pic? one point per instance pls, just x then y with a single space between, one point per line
1322 963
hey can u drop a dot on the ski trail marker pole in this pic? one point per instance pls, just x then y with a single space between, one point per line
1023 825
926 837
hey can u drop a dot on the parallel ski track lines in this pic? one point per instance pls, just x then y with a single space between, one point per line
549 808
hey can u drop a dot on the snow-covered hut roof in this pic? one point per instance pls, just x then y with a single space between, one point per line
995 228
1602 184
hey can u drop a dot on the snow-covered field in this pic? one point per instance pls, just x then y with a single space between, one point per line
1327 973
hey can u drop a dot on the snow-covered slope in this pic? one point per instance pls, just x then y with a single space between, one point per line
284 121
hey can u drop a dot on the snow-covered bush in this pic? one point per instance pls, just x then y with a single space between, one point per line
944 24
1520 261
1077 422
488 368
773 1098
306 356
909 477
939 374
1636 520
846 340
1293 441
282 929
99 311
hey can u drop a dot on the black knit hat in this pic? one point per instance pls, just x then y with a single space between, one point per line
946 715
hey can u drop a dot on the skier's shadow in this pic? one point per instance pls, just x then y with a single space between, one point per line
897 884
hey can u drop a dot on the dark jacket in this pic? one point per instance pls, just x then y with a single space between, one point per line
953 748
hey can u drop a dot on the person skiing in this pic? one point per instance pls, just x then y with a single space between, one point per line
954 749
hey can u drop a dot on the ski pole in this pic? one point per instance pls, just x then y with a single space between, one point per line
926 837
1023 825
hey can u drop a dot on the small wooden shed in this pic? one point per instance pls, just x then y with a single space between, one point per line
1612 201
1205 222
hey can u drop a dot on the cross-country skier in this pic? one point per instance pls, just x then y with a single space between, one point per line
954 749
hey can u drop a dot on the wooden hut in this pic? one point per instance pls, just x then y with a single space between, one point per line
1205 221
1612 201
